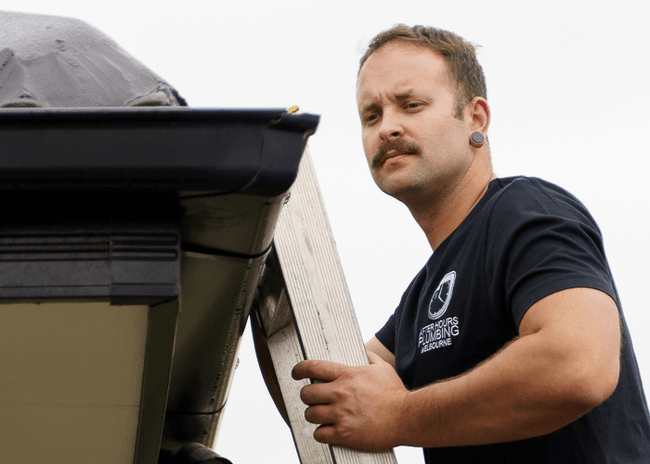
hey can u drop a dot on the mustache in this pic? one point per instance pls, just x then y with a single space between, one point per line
406 146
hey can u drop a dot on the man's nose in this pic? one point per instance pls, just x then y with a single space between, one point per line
391 126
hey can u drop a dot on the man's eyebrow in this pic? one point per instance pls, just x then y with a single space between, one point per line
408 93
399 96
368 107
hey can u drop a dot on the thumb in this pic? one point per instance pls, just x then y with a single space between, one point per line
374 358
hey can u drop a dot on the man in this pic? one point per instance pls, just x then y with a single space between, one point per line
510 344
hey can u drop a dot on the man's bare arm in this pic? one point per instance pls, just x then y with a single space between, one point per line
266 367
564 363
379 349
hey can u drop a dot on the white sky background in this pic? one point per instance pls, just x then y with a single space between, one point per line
567 85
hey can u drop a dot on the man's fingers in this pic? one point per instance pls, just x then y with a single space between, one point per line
316 393
319 414
325 434
325 371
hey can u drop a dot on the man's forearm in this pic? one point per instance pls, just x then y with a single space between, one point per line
503 399
266 367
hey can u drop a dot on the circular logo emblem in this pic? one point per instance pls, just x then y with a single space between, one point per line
442 296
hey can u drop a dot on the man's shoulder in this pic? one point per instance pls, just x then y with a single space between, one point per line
529 208
532 195
529 187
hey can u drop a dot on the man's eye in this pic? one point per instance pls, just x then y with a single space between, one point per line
371 117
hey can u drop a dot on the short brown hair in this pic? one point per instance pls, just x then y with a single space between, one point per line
464 68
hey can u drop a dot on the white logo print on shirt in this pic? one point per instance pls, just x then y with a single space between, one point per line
439 333
442 296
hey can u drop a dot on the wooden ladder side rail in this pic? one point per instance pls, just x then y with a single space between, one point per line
306 312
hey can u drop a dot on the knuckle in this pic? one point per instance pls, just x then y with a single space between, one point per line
315 366
341 395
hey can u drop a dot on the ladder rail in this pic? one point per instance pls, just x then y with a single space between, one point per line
306 312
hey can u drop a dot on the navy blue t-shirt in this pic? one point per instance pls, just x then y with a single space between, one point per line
524 240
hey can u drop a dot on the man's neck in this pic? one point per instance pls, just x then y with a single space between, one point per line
439 218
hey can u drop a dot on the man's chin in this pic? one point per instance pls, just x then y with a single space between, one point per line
399 190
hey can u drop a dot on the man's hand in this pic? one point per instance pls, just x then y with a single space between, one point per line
357 407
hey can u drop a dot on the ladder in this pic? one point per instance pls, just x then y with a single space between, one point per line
305 312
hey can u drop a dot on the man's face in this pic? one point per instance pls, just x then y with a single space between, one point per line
48 61
413 142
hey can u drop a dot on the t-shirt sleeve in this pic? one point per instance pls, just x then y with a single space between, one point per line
542 241
386 334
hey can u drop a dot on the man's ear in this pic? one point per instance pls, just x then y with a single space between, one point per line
479 111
